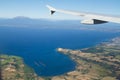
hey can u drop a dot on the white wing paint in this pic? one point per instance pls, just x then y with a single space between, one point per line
90 18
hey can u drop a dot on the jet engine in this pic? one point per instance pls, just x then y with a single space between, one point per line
92 21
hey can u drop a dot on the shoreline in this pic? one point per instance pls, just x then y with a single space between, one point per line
97 56
92 63
13 68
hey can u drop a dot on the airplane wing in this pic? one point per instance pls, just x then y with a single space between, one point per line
90 18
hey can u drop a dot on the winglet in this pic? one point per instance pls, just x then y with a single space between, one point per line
52 10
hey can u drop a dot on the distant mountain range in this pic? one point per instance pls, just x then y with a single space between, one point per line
25 21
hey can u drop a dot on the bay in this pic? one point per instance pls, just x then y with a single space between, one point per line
38 46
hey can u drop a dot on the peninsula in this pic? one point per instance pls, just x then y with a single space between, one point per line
101 62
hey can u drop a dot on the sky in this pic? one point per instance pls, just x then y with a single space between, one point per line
37 8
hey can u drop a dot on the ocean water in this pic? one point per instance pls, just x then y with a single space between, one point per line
38 46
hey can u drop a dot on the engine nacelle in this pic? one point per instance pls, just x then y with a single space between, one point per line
92 21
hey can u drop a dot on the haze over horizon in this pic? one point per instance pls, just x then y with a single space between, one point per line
37 8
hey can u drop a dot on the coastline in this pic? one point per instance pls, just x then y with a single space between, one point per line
93 63
14 68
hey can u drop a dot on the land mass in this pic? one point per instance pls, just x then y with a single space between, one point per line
13 68
101 62
22 21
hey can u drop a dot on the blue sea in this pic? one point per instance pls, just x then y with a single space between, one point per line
38 46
